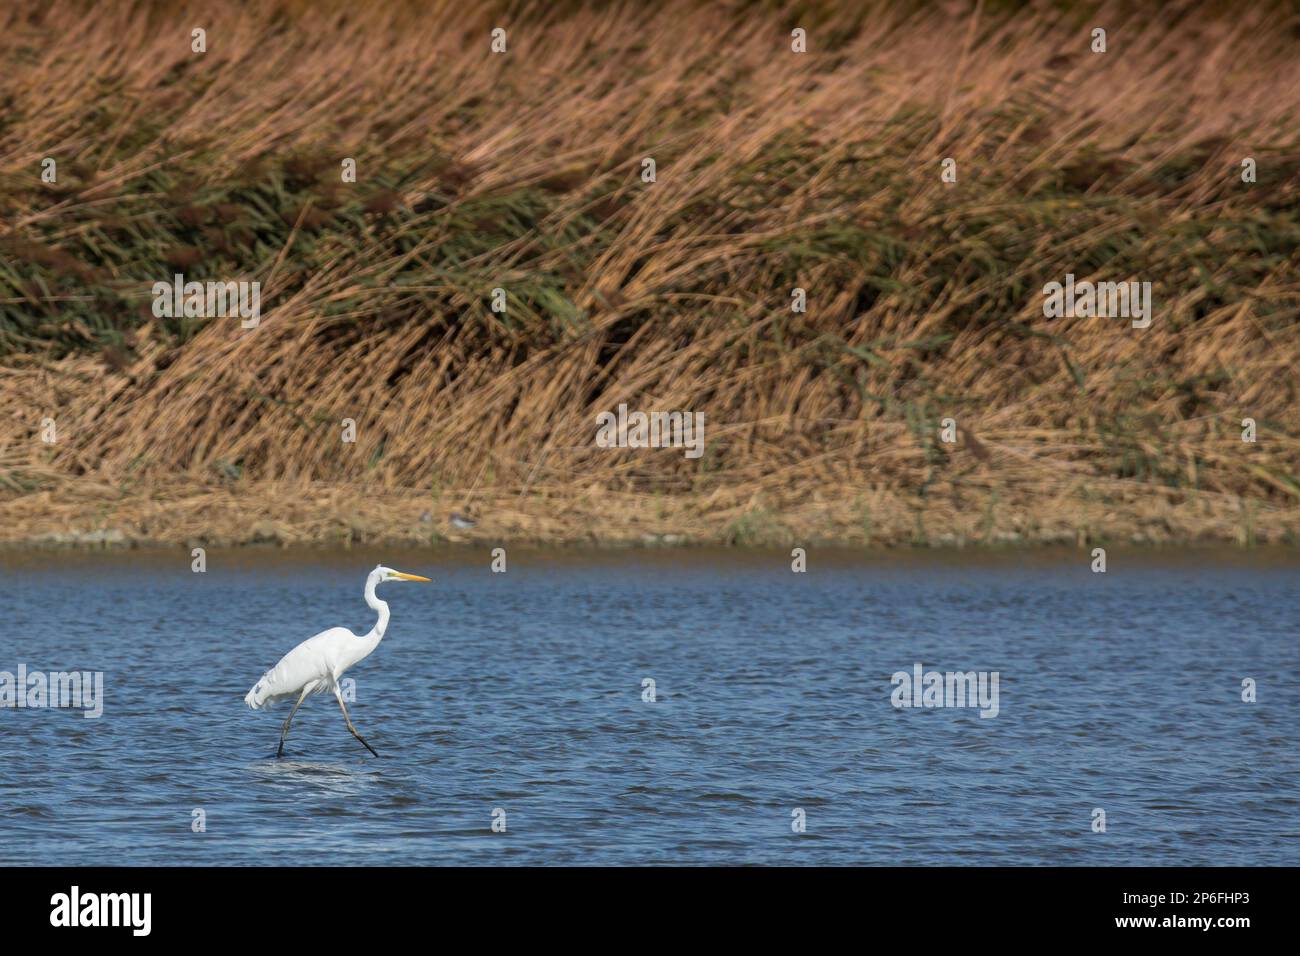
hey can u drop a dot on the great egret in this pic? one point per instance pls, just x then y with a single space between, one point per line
316 665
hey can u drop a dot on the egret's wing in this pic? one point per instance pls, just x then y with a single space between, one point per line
307 662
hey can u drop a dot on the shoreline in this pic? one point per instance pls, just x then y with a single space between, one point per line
867 343
317 515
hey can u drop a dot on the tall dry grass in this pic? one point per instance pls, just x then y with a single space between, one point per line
774 171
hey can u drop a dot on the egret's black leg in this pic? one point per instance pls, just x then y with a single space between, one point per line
348 721
284 731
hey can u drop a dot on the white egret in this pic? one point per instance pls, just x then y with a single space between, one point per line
316 665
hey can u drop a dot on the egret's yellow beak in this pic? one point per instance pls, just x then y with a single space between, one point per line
408 577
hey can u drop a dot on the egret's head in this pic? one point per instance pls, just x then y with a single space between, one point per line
382 574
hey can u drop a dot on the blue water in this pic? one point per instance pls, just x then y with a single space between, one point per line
522 692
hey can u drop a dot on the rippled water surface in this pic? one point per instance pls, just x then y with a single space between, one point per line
523 692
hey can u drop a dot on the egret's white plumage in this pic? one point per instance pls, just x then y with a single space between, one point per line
316 665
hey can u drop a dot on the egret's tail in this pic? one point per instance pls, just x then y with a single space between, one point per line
259 696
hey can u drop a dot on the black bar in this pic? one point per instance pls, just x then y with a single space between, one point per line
263 905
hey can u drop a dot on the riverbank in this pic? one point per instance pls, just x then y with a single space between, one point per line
840 265
318 514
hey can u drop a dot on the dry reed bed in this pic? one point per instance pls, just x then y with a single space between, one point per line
774 171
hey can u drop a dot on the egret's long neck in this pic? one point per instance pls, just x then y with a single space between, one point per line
372 599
